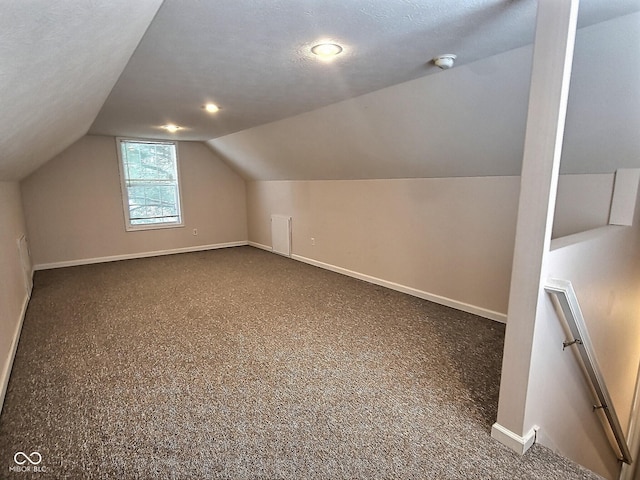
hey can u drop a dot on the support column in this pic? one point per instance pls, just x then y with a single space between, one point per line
549 91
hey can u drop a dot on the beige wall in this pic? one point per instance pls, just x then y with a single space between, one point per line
13 289
450 237
74 211
604 267
583 203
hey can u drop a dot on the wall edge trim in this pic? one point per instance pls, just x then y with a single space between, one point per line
6 374
130 256
517 443
260 246
448 302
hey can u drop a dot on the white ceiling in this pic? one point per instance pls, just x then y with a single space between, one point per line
58 62
252 56
466 121
64 70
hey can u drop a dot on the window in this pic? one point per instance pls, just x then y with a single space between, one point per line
150 184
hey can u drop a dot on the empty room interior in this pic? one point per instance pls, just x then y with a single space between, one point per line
320 239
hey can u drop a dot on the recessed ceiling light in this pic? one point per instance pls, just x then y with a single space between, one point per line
326 50
171 127
211 107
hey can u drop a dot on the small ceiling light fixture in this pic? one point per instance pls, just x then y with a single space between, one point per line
326 50
211 107
171 128
445 61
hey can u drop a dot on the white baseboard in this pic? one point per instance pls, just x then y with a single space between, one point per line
465 307
512 440
4 378
130 256
261 246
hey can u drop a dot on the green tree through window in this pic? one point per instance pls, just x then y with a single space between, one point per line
150 183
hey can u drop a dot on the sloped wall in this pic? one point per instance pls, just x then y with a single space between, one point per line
60 60
467 121
74 212
13 291
603 113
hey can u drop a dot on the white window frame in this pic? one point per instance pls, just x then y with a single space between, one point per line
129 227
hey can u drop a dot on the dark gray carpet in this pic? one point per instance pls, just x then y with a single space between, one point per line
241 364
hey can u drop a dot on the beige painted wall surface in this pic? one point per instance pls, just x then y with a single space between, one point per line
604 268
13 290
582 203
451 237
74 211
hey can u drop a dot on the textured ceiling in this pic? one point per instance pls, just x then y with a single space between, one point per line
252 56
58 63
61 60
467 121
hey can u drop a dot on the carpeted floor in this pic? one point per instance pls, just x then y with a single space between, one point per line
242 364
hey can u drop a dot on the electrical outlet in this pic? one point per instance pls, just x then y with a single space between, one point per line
195 231
313 241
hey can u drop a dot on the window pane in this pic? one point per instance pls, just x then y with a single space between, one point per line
151 180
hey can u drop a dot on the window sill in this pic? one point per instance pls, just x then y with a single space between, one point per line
155 226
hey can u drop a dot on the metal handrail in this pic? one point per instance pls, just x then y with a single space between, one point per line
565 295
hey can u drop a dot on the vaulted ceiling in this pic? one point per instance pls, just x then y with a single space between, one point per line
253 58
58 63
126 68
